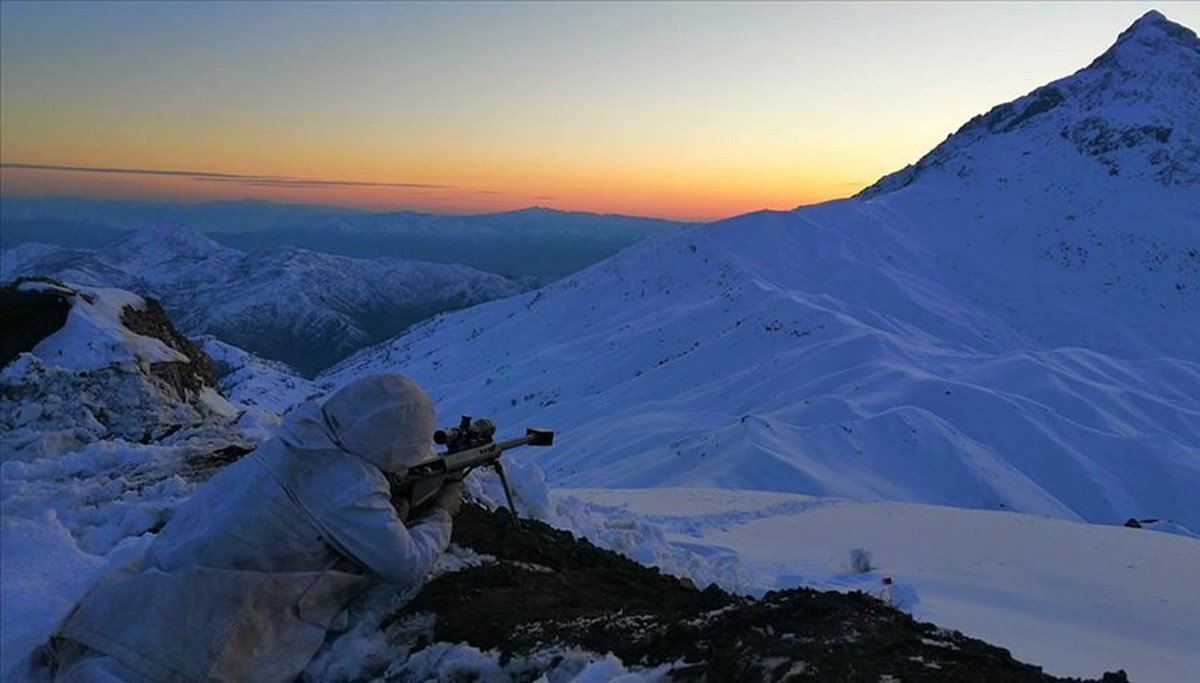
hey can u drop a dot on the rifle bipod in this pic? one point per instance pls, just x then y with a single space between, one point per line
499 467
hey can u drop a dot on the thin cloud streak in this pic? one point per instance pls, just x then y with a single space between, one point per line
211 176
311 184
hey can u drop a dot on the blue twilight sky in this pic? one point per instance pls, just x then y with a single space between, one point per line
691 110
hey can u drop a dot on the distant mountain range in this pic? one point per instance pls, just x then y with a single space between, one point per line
223 216
541 243
1012 323
304 308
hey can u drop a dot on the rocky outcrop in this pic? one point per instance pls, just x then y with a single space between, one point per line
29 316
540 589
188 377
88 364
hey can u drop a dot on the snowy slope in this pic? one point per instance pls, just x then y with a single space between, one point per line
101 423
1123 111
1013 336
1121 599
250 381
302 307
1012 328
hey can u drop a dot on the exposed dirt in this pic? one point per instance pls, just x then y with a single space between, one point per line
552 589
26 318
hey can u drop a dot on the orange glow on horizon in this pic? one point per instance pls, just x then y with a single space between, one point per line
678 197
687 111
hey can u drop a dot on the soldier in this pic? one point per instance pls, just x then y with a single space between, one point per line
244 581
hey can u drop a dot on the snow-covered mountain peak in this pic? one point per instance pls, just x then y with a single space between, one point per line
1009 324
1151 74
1133 112
1148 40
170 251
172 237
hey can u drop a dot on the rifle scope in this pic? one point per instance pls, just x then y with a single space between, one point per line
467 434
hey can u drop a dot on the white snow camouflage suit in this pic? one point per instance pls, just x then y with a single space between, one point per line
245 579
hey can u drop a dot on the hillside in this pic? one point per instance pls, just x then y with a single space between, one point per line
304 308
969 395
540 588
83 493
1016 332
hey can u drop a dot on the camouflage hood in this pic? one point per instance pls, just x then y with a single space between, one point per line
386 420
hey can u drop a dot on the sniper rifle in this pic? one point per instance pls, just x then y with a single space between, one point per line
468 446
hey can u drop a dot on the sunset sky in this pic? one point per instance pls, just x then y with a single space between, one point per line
678 110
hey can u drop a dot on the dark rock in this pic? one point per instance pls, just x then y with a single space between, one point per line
185 378
28 317
1044 100
549 589
202 467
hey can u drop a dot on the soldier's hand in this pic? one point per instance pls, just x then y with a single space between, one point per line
449 498
402 508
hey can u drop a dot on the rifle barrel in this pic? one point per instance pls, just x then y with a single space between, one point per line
519 441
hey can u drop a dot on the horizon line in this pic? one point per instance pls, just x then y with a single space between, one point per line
358 210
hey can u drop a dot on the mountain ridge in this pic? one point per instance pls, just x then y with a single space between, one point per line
1018 336
1152 63
535 243
290 304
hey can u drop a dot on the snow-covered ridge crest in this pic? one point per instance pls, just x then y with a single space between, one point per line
84 364
1135 110
94 335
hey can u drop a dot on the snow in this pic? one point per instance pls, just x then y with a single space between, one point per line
456 662
93 336
1076 599
92 382
44 573
1121 596
736 366
285 303
1007 327
1010 326
949 392
255 383
76 493
76 499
